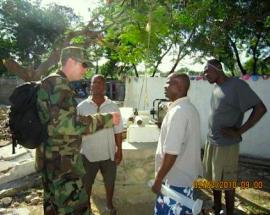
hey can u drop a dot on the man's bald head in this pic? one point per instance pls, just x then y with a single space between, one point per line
177 86
183 81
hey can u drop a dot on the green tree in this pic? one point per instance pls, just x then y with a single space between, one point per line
130 32
232 29
28 31
146 31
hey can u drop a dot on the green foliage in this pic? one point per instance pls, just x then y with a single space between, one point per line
6 45
232 28
78 40
263 67
29 31
144 32
89 74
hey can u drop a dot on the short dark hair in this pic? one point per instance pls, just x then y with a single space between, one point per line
184 78
100 77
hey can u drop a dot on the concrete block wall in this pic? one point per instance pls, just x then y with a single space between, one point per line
141 92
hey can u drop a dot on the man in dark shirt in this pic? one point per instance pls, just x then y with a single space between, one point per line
231 98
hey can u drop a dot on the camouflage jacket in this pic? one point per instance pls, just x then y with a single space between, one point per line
57 108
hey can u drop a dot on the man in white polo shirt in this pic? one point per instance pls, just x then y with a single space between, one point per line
177 158
103 149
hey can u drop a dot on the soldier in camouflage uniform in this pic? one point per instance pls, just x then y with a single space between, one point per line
63 169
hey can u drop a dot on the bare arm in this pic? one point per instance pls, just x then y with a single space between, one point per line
167 164
118 153
258 111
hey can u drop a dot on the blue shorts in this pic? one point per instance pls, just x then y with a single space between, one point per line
166 206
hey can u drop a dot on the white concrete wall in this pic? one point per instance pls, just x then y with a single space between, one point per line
7 85
141 92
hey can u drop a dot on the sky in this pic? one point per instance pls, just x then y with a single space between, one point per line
81 8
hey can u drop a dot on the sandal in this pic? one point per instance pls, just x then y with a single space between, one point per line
211 211
111 211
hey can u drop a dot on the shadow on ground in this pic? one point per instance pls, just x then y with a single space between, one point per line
99 203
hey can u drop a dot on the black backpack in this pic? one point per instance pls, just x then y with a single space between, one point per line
24 122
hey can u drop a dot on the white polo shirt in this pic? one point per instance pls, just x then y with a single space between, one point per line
101 144
181 135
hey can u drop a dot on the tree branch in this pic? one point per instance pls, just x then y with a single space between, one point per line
160 59
179 57
32 74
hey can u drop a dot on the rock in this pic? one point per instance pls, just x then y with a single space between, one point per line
24 168
4 129
16 204
241 208
6 166
21 211
36 200
39 192
14 187
2 211
5 202
28 198
10 191
4 142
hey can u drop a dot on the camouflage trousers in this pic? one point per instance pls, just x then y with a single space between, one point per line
64 192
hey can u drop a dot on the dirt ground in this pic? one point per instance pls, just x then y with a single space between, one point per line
248 200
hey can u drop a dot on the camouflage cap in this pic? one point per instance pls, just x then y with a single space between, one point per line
76 53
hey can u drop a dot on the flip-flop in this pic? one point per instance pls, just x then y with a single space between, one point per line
111 211
211 211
